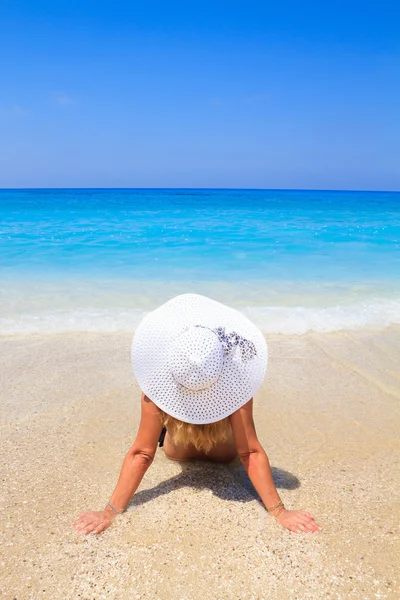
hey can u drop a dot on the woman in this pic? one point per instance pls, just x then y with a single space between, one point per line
199 363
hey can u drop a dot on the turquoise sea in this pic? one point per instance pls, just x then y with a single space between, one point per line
294 261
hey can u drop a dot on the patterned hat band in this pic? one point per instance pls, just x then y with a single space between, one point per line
232 339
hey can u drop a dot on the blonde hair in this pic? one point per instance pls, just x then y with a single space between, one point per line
203 437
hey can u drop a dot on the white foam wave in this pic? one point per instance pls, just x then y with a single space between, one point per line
376 314
299 320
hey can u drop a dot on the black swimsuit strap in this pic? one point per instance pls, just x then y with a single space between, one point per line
162 436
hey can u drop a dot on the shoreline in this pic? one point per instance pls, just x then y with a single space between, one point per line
375 315
327 416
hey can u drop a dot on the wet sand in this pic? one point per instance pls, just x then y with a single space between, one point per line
327 415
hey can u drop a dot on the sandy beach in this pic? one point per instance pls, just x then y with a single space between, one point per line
327 415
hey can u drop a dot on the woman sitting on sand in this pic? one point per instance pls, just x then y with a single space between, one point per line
199 363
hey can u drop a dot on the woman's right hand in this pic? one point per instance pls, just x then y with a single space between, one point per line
94 521
298 521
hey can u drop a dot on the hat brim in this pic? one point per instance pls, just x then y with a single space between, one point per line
239 380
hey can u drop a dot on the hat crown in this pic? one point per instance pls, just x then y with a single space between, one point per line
196 358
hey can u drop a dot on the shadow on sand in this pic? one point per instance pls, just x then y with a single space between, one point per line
226 481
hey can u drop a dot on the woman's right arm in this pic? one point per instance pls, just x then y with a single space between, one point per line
257 465
135 464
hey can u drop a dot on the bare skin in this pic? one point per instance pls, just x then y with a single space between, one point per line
222 452
244 442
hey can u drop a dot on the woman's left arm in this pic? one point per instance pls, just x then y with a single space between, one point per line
136 462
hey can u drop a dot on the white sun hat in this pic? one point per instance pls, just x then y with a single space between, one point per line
197 359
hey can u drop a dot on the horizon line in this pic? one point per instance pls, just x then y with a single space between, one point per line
255 189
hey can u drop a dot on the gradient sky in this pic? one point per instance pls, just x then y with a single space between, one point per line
200 94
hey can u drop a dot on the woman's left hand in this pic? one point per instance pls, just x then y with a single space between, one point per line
298 521
94 521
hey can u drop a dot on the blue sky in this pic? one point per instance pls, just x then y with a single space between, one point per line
200 94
